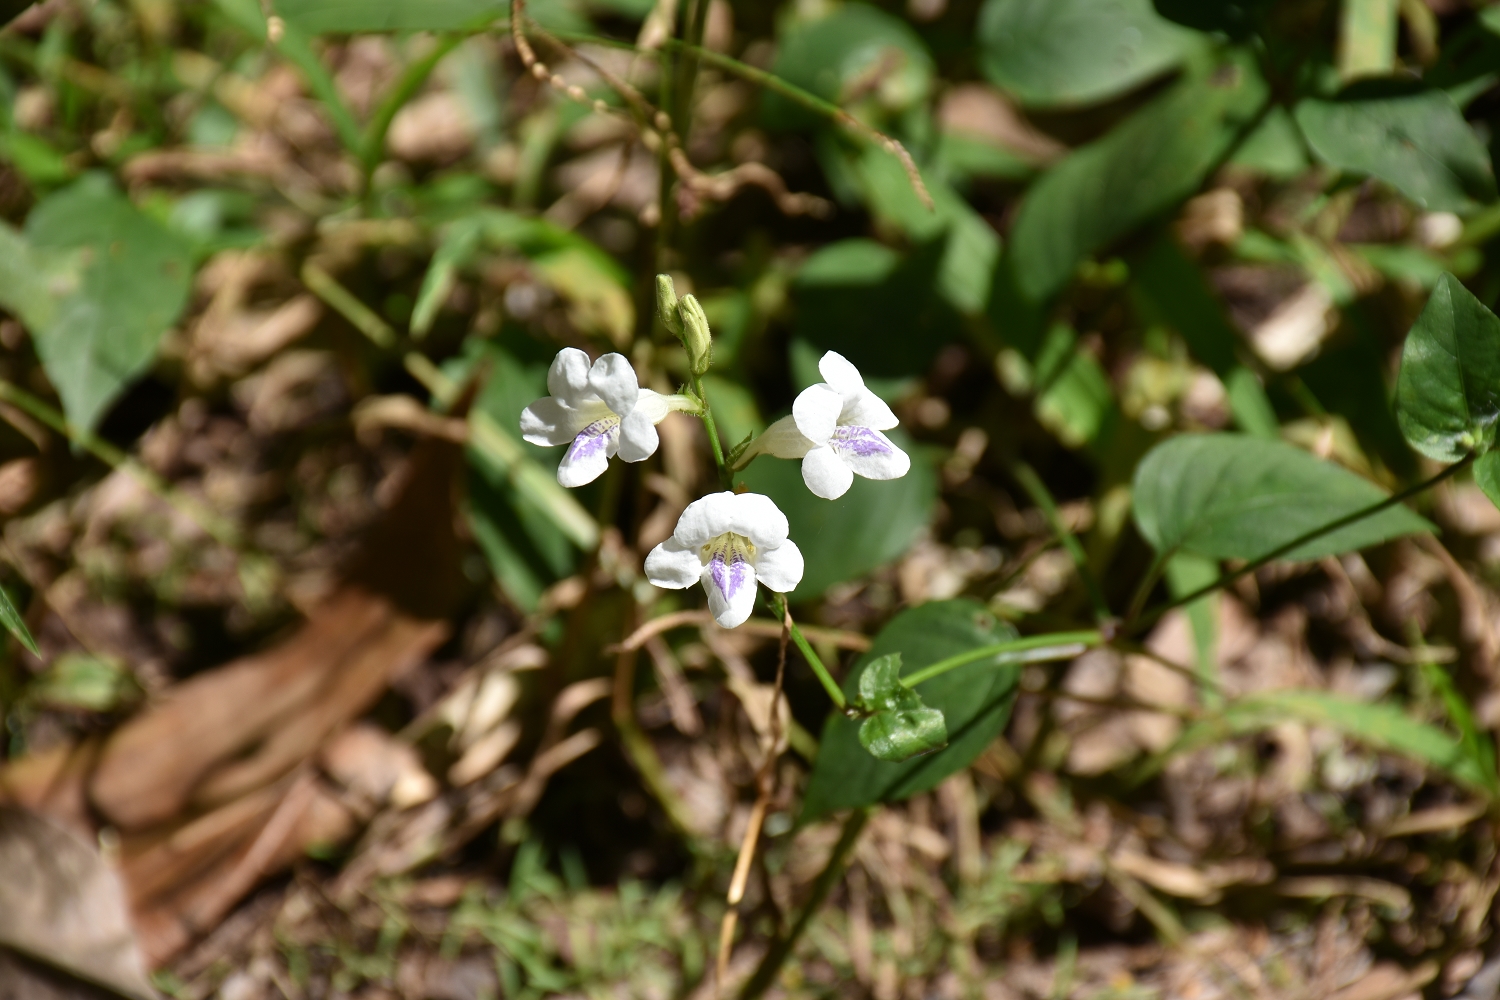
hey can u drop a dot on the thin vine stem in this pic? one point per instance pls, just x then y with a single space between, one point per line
1150 618
1065 645
706 414
813 660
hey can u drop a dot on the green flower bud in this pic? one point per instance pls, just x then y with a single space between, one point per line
695 335
666 304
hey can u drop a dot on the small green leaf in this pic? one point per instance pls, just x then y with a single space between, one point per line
1229 496
1487 475
15 625
1138 170
1071 52
1415 140
974 699
901 727
1448 394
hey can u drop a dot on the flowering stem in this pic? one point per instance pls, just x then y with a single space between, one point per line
1054 646
706 413
829 684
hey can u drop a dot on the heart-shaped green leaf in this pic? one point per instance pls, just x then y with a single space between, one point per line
1229 496
1448 395
901 727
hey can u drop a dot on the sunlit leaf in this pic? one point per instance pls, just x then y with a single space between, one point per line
1068 52
1139 169
975 701
1448 394
1415 140
102 333
902 727
15 624
1229 496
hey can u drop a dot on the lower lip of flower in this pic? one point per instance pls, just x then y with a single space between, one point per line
592 439
730 559
861 441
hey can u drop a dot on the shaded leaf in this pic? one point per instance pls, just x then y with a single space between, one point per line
135 275
1229 496
1448 393
1416 141
1068 52
864 529
975 701
1236 18
1487 476
15 624
901 726
1139 169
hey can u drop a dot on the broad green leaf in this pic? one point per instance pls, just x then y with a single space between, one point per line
1448 394
975 701
1229 496
863 530
1487 476
837 57
902 727
15 624
1138 170
1380 725
1414 140
341 16
1070 52
134 281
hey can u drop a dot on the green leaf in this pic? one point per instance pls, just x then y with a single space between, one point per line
975 701
1379 725
84 681
320 16
455 250
1070 52
1414 140
1236 18
901 727
1487 476
1448 394
1140 169
15 624
838 56
863 530
1228 496
101 332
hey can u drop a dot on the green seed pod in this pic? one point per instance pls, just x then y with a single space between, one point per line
695 335
666 304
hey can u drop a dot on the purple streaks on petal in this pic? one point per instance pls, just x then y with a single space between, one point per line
594 438
861 441
730 572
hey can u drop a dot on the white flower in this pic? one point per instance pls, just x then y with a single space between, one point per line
601 409
835 429
728 541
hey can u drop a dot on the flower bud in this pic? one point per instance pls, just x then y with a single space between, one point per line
666 304
695 335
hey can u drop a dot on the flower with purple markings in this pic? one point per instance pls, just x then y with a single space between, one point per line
728 542
835 429
598 410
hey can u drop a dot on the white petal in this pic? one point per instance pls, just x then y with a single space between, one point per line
840 373
731 591
673 565
870 453
614 380
826 474
589 454
705 518
782 439
638 437
867 410
548 422
757 517
779 567
568 378
816 412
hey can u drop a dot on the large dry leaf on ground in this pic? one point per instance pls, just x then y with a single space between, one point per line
60 904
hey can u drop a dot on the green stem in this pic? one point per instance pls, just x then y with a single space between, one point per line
1065 645
1147 584
706 414
1150 618
1042 497
770 966
813 660
415 75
